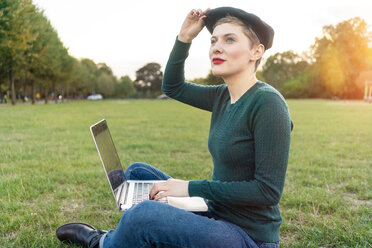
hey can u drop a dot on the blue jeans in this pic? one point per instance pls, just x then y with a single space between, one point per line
155 224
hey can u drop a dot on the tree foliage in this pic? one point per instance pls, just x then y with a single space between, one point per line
15 37
341 55
125 87
148 80
332 67
210 79
282 67
288 72
213 80
34 59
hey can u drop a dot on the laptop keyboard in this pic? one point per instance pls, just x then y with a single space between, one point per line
142 191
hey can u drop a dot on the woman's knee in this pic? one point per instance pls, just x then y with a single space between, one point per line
133 167
143 213
143 171
136 165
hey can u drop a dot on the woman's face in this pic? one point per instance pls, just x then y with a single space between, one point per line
230 52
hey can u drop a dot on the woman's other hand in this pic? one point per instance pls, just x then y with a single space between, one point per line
192 25
171 187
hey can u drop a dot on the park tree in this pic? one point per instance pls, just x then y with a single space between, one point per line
76 79
148 80
341 54
61 64
103 68
45 57
282 67
35 51
288 72
199 80
33 56
87 77
213 80
92 74
82 85
51 60
302 86
15 37
209 80
124 87
107 82
106 85
66 71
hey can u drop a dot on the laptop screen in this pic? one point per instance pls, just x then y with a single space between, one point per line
108 154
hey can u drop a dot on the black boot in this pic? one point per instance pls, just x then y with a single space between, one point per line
80 234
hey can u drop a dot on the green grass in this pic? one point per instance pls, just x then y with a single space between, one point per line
50 172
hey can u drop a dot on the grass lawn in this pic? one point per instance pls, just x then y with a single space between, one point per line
50 172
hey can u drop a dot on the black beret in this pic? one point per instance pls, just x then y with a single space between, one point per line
264 32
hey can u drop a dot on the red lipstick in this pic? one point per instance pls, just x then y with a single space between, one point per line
218 61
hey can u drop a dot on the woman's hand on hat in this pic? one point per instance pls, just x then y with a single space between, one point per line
171 187
192 25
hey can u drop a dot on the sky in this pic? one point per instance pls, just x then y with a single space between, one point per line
127 34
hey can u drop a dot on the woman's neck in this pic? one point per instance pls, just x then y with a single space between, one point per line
239 84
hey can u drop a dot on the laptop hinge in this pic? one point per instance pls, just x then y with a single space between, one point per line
123 194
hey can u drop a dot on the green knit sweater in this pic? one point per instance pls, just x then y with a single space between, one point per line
249 143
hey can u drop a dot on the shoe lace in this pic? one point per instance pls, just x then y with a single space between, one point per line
95 240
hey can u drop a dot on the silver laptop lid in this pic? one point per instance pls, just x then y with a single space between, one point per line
109 157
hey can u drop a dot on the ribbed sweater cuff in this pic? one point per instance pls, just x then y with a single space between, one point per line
180 50
196 188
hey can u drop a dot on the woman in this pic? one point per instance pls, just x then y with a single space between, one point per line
249 142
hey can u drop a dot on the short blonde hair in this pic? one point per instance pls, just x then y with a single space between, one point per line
248 31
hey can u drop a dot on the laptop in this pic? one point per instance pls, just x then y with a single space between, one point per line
131 192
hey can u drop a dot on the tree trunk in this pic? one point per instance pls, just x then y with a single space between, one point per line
33 91
46 95
55 93
56 96
62 93
11 75
24 88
